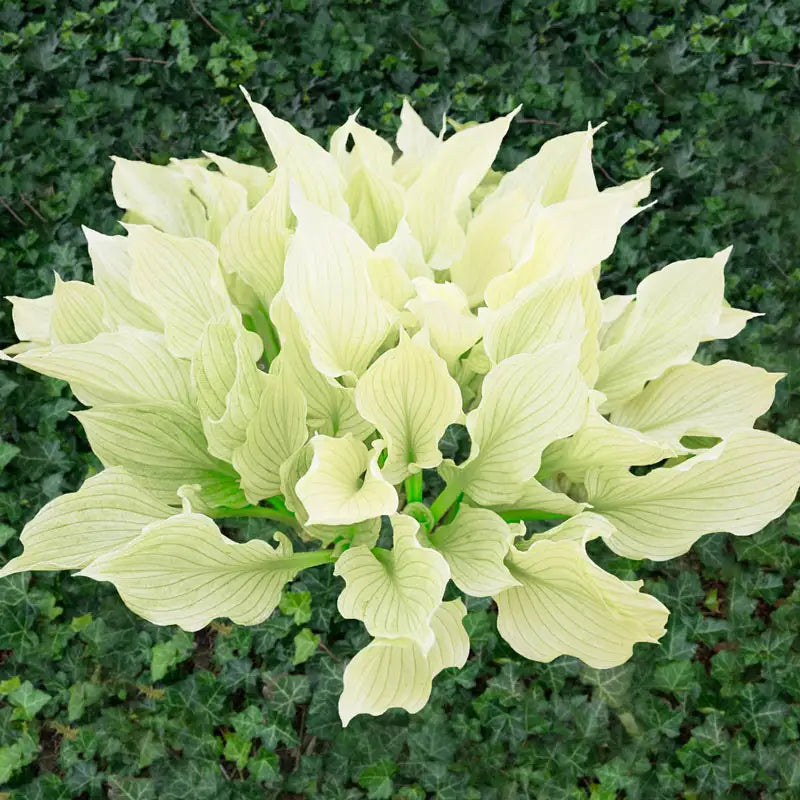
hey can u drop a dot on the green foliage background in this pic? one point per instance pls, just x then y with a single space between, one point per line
97 703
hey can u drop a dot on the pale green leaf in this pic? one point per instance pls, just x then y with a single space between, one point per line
108 511
474 545
79 312
394 592
194 574
738 486
410 397
567 605
344 483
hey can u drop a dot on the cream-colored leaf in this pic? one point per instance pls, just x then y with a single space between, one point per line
111 270
31 317
416 143
255 180
567 605
328 287
548 312
331 407
275 431
183 571
410 397
108 511
737 487
181 281
528 401
161 445
436 199
474 545
538 497
601 444
583 527
306 162
394 673
558 249
443 312
253 246
79 312
394 592
731 322
672 310
158 196
344 483
126 366
696 400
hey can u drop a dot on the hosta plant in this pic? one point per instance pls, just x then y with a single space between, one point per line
294 344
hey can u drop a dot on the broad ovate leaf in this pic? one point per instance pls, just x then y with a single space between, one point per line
111 272
194 574
528 402
662 327
410 397
127 366
328 287
256 181
599 443
31 317
738 486
78 312
566 605
161 445
108 511
344 483
697 400
181 281
312 167
276 429
436 202
394 592
397 673
475 545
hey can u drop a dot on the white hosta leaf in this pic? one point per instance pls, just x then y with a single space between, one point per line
108 511
731 322
696 400
31 317
222 198
253 246
275 431
181 281
161 445
528 401
599 443
394 592
672 310
111 271
79 312
490 246
737 487
561 170
373 195
546 313
410 397
308 164
438 196
328 287
228 384
183 571
127 366
365 532
390 280
583 527
416 143
474 545
556 248
395 673
538 497
344 483
158 196
589 363
443 311
255 180
406 251
567 605
331 407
